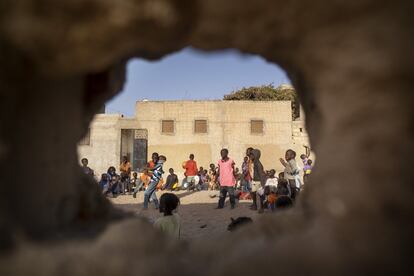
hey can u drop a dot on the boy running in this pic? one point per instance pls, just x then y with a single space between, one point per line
147 172
155 179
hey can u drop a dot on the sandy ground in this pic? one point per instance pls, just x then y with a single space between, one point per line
197 211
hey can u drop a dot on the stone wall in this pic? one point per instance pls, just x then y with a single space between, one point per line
104 148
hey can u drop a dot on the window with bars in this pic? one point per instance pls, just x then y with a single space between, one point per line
86 140
167 126
200 126
256 126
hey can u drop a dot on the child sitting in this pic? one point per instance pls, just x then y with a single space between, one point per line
172 180
272 180
212 173
104 183
204 180
169 223
270 198
141 183
283 187
283 202
270 189
113 187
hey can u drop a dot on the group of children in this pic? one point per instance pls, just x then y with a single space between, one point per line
263 187
113 184
198 179
253 182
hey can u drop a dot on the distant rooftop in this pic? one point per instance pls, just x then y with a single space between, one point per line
197 101
282 86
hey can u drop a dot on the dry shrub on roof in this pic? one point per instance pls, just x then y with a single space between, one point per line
267 93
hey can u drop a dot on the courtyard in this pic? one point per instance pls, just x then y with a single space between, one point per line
199 218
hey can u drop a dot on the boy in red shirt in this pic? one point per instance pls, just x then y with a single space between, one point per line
191 171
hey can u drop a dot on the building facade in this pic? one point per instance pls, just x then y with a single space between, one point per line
178 128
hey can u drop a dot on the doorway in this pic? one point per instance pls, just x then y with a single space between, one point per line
134 145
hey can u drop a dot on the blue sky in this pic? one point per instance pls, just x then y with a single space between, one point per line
192 75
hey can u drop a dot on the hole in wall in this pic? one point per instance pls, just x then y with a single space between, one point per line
175 107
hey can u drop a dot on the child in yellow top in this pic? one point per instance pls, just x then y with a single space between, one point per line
170 223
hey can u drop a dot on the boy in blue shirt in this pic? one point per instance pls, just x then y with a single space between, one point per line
157 173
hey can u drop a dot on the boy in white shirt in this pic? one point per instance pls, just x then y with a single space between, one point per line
272 180
291 172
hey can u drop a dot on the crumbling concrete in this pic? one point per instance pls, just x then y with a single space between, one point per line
351 63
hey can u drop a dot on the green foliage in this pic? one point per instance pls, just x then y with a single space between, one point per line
267 93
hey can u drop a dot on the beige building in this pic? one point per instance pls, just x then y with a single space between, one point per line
178 128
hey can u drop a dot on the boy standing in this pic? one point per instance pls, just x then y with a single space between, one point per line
291 172
227 179
259 178
245 181
125 172
191 171
155 179
249 172
307 170
283 188
304 157
212 174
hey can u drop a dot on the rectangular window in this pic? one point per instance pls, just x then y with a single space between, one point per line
167 126
256 126
200 126
86 140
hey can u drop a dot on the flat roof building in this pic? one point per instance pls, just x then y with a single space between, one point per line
178 128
